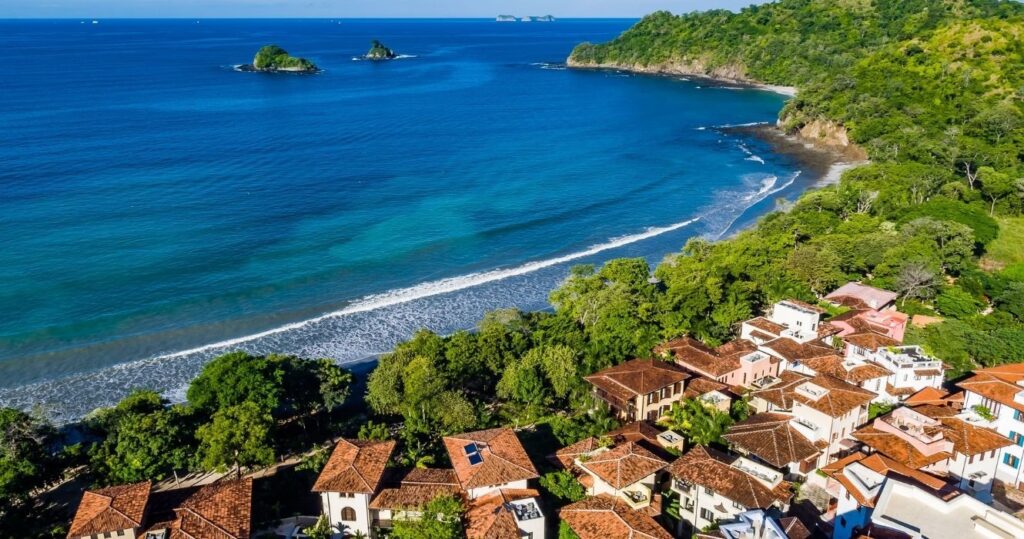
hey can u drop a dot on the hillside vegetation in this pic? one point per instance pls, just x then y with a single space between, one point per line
932 90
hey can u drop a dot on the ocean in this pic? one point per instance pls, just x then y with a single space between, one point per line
158 207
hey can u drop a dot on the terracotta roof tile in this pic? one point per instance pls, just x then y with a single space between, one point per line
793 528
637 377
491 517
835 366
869 340
703 467
637 431
417 487
885 466
623 465
221 510
840 398
766 325
928 395
355 466
694 355
794 352
567 455
771 438
110 509
605 517
701 386
997 383
897 448
503 459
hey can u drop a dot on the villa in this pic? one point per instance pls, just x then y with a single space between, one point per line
825 409
713 487
939 444
627 471
489 461
639 389
348 482
111 512
773 439
856 482
994 398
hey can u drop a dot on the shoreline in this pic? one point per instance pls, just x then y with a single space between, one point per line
818 162
677 71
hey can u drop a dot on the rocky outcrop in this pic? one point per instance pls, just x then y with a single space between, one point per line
273 59
830 135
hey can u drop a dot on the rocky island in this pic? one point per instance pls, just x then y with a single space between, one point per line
378 51
274 59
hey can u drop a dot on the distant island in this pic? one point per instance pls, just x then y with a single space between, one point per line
378 51
273 59
512 18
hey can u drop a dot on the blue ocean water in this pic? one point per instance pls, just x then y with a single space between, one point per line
158 207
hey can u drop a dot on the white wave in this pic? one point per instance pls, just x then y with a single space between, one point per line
702 129
405 56
755 158
443 286
764 192
750 124
766 185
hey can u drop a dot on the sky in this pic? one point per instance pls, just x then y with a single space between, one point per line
351 8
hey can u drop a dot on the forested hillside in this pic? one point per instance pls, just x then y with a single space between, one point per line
932 90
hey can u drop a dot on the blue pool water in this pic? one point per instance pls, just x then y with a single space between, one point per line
158 207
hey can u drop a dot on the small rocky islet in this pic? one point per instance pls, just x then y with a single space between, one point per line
379 51
274 59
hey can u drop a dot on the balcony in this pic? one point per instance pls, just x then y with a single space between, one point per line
637 496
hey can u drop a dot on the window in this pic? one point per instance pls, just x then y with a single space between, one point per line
1011 461
348 514
707 515
708 491
677 388
738 505
1018 415
1017 438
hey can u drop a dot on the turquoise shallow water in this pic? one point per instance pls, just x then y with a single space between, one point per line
158 207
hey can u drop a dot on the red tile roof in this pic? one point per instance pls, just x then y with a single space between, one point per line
883 465
840 398
416 488
835 366
567 455
623 465
637 377
355 466
701 466
997 383
771 438
869 340
766 325
928 395
221 510
491 517
793 351
698 357
701 386
503 458
110 509
606 517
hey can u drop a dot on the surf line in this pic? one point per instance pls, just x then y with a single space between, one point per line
435 288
